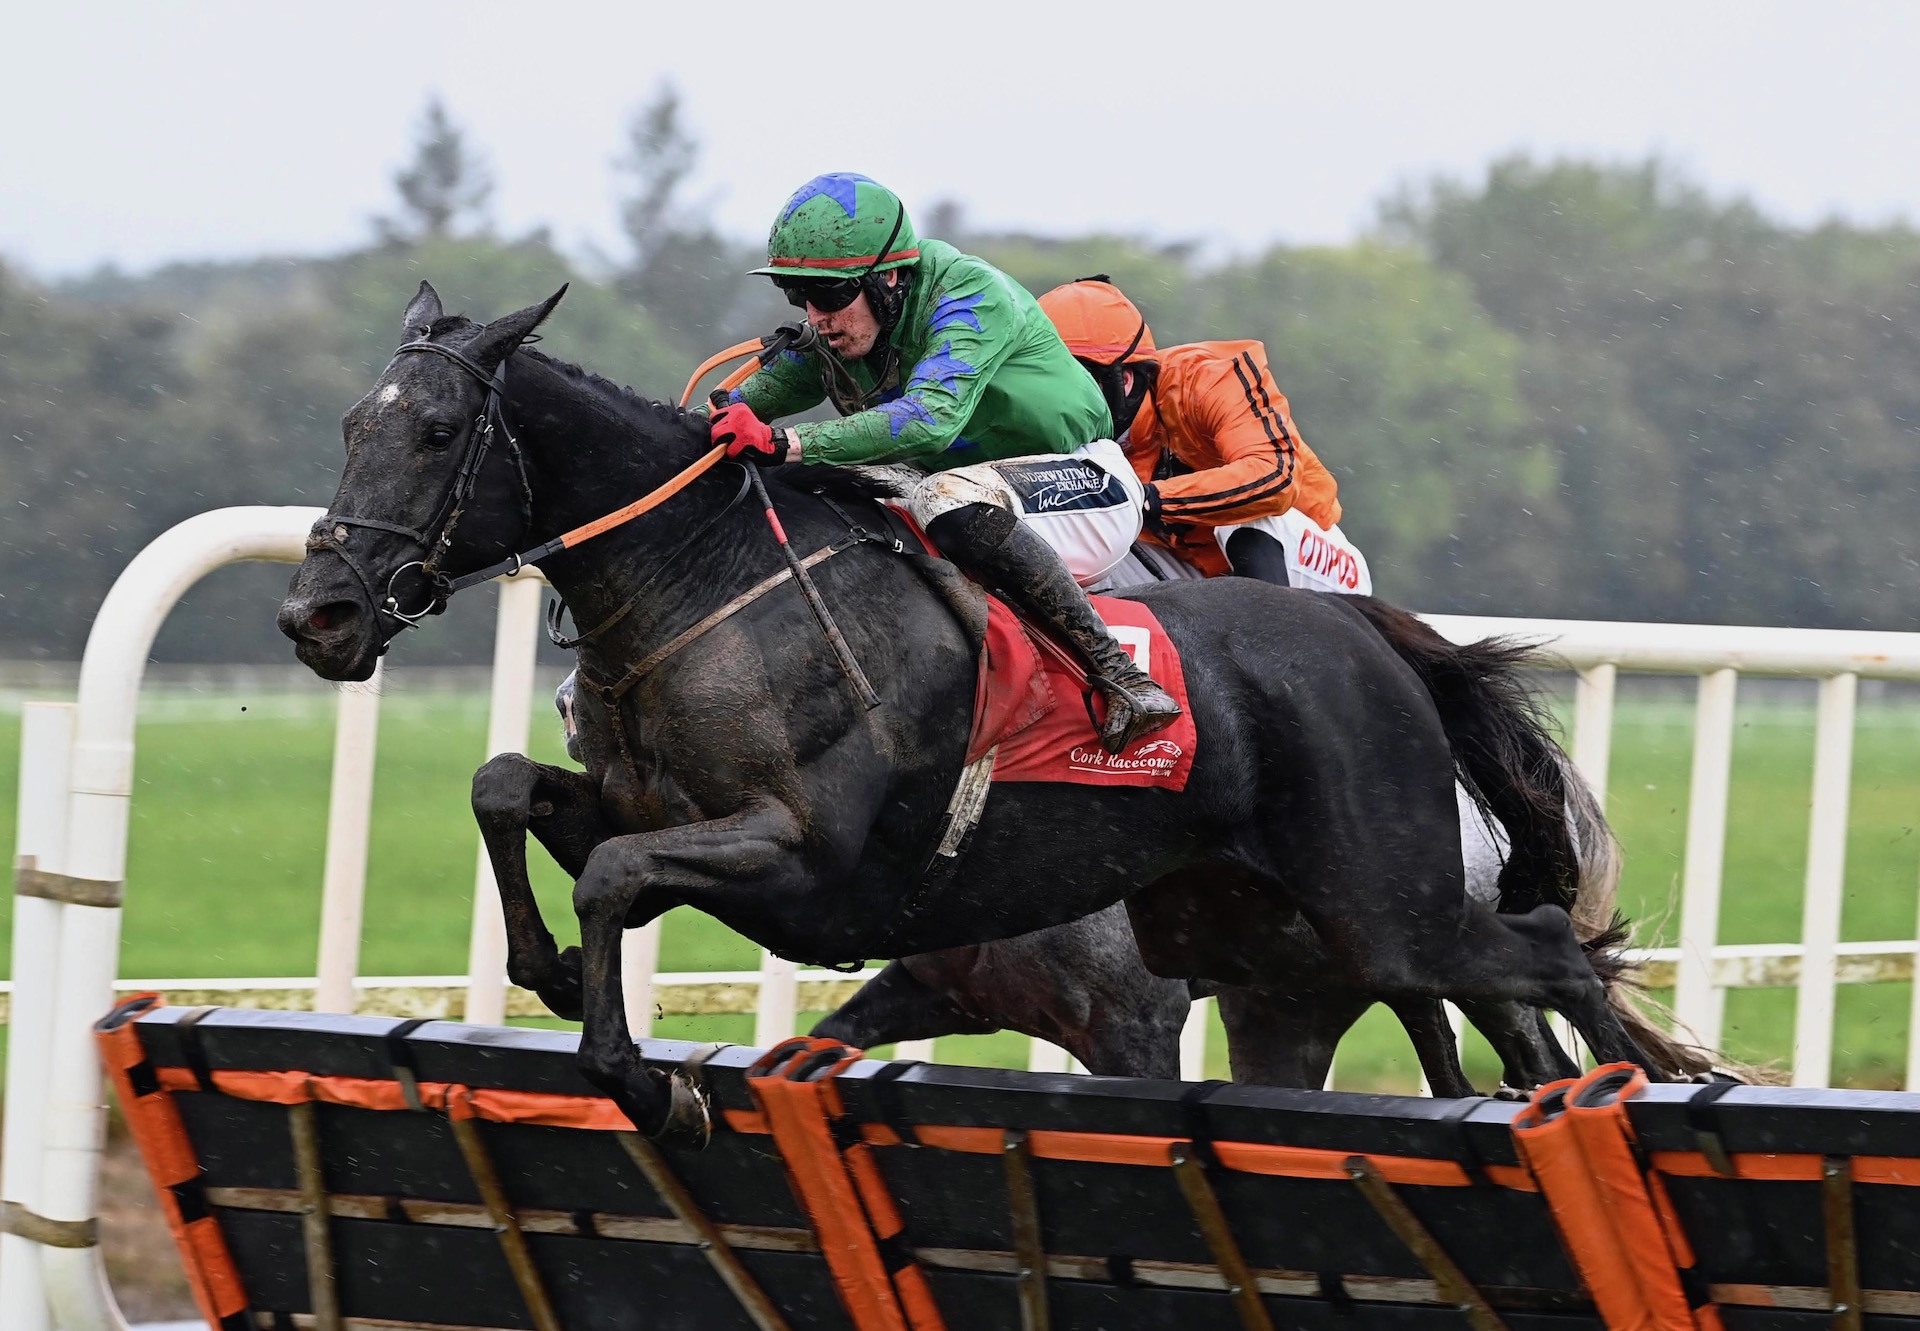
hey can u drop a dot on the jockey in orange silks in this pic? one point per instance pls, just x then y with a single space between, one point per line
1231 487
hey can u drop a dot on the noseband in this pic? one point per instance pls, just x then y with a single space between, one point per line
331 531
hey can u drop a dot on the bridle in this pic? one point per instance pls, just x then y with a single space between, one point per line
436 537
331 531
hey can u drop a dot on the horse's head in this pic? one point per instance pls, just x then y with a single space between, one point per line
433 486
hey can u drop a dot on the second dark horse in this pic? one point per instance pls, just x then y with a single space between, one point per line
741 775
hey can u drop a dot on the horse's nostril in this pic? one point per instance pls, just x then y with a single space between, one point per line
331 617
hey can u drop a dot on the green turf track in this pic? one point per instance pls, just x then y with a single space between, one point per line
229 811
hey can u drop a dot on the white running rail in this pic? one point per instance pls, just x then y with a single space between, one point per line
76 784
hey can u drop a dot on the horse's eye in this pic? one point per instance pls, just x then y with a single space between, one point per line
439 436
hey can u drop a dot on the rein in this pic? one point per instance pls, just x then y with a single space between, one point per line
761 350
330 532
437 536
797 337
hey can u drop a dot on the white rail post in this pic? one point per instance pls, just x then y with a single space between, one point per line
779 1001
639 959
46 749
1826 875
1592 756
920 1050
1045 1057
100 791
508 717
1593 726
343 879
1193 1041
1698 1004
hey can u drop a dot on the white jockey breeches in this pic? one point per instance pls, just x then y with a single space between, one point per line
1085 504
1319 559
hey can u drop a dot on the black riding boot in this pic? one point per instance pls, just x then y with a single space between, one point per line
990 544
1254 554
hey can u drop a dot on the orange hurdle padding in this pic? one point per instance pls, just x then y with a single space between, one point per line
841 1188
494 1104
1118 1148
168 1153
1575 1137
1598 1108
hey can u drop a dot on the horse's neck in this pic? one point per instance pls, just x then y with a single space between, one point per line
586 462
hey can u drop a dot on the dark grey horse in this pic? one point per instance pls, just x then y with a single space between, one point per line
732 767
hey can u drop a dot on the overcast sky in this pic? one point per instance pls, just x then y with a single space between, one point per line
144 132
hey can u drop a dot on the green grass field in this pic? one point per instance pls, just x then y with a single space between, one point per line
228 826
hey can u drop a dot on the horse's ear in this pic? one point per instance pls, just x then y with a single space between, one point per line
422 310
499 339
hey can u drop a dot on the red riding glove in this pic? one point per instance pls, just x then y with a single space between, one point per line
747 437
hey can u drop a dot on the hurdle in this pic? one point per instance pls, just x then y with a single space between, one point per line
329 1172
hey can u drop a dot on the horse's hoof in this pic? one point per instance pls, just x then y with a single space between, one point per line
1506 1092
688 1126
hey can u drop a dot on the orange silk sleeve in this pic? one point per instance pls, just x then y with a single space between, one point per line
1236 432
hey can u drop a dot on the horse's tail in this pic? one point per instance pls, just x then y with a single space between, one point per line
1561 852
1506 758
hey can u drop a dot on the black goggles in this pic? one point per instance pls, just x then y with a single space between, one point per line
824 294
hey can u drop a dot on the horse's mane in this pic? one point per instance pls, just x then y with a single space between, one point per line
625 402
617 394
839 483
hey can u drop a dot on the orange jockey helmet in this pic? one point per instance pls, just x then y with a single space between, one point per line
1098 323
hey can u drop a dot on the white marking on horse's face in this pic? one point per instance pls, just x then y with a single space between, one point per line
385 397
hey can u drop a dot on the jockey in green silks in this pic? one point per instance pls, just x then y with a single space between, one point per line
937 360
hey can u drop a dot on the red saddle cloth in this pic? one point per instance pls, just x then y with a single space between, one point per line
1029 701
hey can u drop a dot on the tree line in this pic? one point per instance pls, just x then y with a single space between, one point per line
1564 388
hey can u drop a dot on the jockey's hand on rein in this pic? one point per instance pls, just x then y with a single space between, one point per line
747 437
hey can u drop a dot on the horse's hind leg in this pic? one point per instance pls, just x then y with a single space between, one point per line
1472 953
893 1006
514 796
1286 1039
1435 1044
1529 1054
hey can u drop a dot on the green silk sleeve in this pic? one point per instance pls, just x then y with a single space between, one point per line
970 325
789 385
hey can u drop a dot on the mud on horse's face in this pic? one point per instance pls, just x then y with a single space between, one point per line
373 559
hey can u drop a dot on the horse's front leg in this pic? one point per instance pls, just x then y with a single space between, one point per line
512 796
631 880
